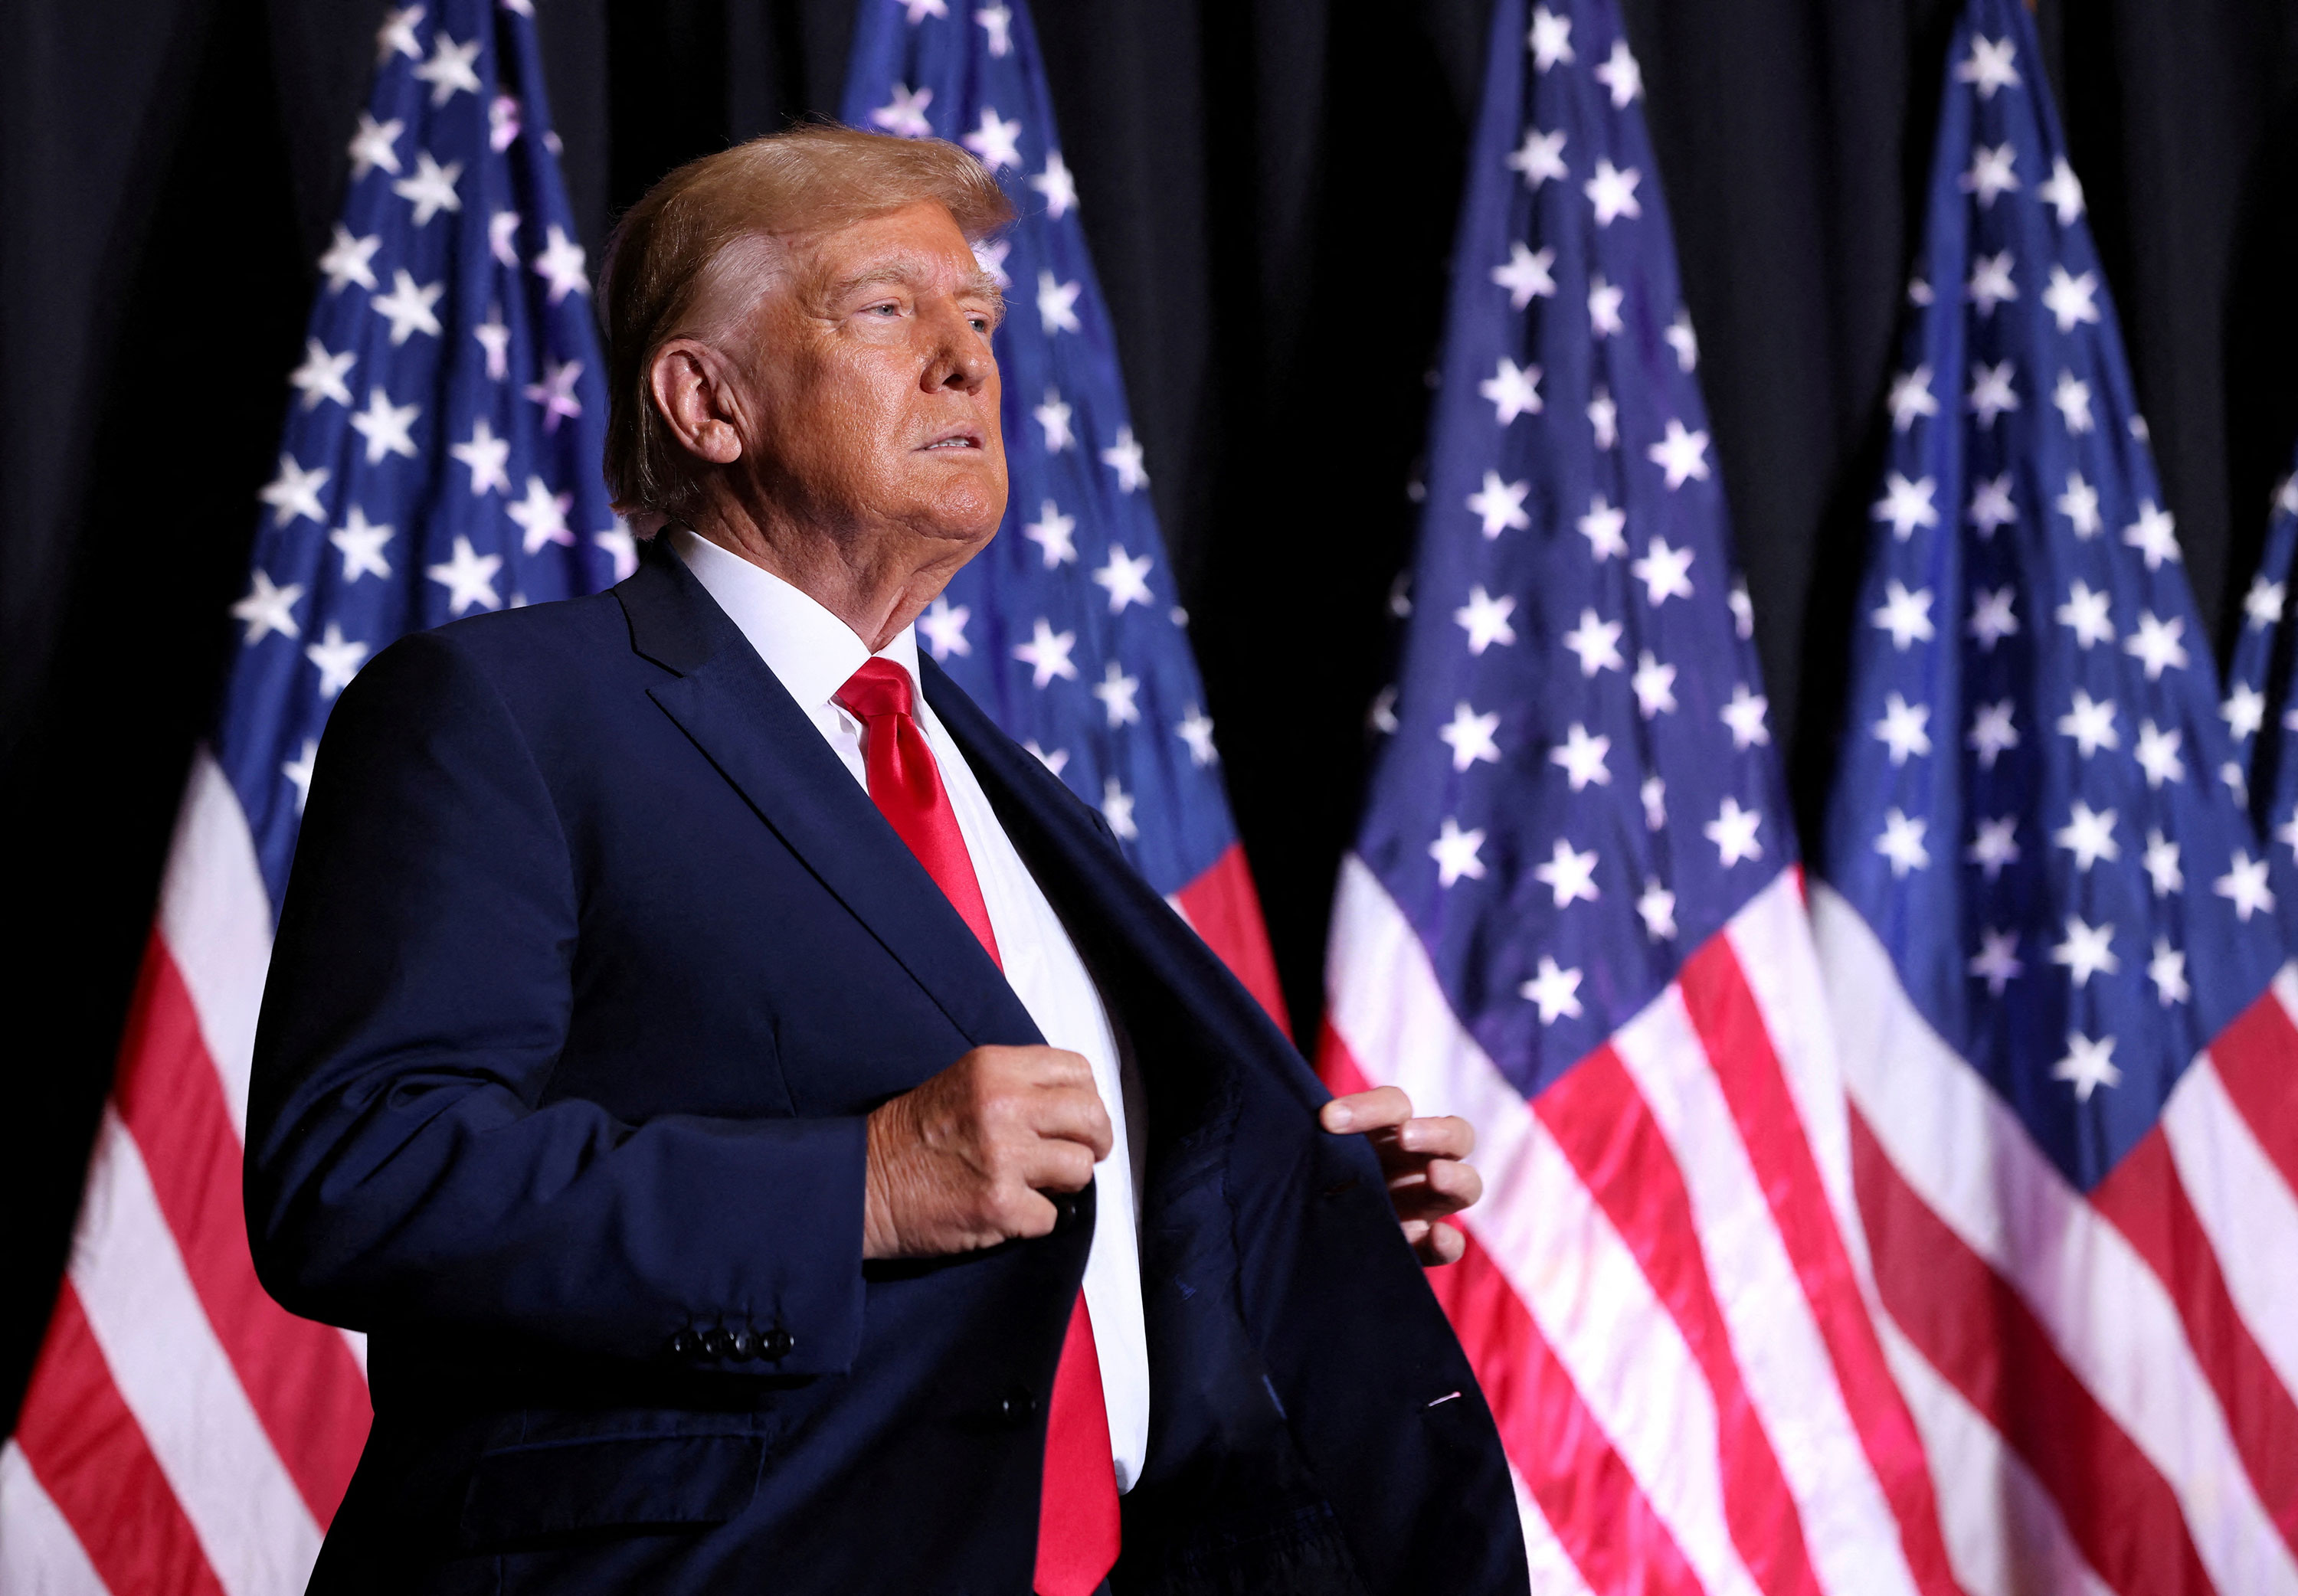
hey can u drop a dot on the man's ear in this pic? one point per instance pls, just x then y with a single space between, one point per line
692 389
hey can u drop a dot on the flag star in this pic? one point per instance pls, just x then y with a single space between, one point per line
1988 67
396 36
1582 758
1527 275
321 374
620 546
1596 642
449 70
268 608
1665 573
502 123
2089 835
1620 73
372 145
2086 612
1047 654
1126 578
1919 292
2237 782
1196 727
1469 736
1991 617
2069 299
2244 711
2091 723
486 455
1604 417
1554 990
408 307
2158 754
2161 863
1991 283
1991 505
904 115
1992 173
561 264
338 658
1513 391
1455 853
1905 615
1613 192
1995 845
556 392
2088 951
1381 716
1052 532
1653 796
2087 1066
1992 392
1550 39
994 141
1733 833
1911 400
1992 733
301 769
1053 415
1485 619
350 260
502 237
1744 714
1904 729
1570 877
990 254
2264 603
1117 809
1540 157
1604 302
1656 905
2167 970
997 21
2286 834
2079 505
1115 691
1053 762
1400 595
1655 685
1501 505
2154 534
943 627
2243 885
2072 398
1742 609
1057 303
1682 455
432 188
469 578
494 338
1907 505
1124 458
360 544
295 491
1682 339
920 10
2063 193
542 516
1902 843
2156 644
1997 963
385 426
1058 186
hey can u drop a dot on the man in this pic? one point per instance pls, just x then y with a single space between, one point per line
774 1142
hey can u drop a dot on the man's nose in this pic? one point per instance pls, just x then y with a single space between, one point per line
962 357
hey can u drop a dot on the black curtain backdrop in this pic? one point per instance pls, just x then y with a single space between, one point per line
1269 189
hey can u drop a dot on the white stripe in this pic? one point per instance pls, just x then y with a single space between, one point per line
1784 1360
1967 1157
176 1379
39 1554
1550 1564
1562 1257
215 915
2004 1533
2244 1207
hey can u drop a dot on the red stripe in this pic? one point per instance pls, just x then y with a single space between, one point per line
1971 1327
1226 910
2145 1199
1587 1492
1604 1128
1747 1067
90 1456
2257 1060
305 1385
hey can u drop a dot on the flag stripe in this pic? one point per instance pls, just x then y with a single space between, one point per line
2253 1057
299 1375
1223 908
40 1556
89 1455
216 918
2248 1215
1550 1565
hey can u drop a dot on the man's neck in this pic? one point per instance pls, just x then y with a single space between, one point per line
876 599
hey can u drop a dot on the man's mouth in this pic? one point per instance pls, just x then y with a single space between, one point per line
957 440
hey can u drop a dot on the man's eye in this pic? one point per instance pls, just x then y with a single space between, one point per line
889 307
980 323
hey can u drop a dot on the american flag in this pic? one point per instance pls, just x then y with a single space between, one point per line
1574 915
182 1433
1067 629
2048 931
2263 677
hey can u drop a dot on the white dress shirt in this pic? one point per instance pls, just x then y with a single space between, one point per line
813 653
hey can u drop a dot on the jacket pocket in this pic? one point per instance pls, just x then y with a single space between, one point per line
551 1488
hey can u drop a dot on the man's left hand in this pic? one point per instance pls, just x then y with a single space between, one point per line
1421 1160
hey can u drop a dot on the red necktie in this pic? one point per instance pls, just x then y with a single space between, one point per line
1077 1516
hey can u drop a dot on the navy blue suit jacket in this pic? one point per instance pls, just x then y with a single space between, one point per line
593 960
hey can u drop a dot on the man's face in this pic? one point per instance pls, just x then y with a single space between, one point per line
872 394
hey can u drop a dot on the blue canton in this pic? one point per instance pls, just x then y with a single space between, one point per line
1066 629
2263 660
1579 785
441 449
2038 807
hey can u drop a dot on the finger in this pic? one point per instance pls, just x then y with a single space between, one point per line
1443 1188
1055 1067
1448 1136
1016 1210
1070 1115
1377 1109
1442 1244
1055 1166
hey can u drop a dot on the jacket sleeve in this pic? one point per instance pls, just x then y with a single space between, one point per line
403 1167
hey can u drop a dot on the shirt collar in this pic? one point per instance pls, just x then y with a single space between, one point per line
810 650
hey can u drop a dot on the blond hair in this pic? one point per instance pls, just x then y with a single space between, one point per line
668 249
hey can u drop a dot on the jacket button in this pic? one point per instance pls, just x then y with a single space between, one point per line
776 1343
685 1343
1018 1405
717 1342
742 1344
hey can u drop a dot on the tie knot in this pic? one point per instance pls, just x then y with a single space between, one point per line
880 686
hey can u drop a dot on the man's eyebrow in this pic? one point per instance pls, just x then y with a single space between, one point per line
977 283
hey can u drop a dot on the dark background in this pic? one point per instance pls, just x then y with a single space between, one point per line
1268 187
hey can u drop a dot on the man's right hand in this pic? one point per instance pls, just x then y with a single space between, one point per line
962 1161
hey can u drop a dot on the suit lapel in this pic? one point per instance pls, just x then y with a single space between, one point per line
737 713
